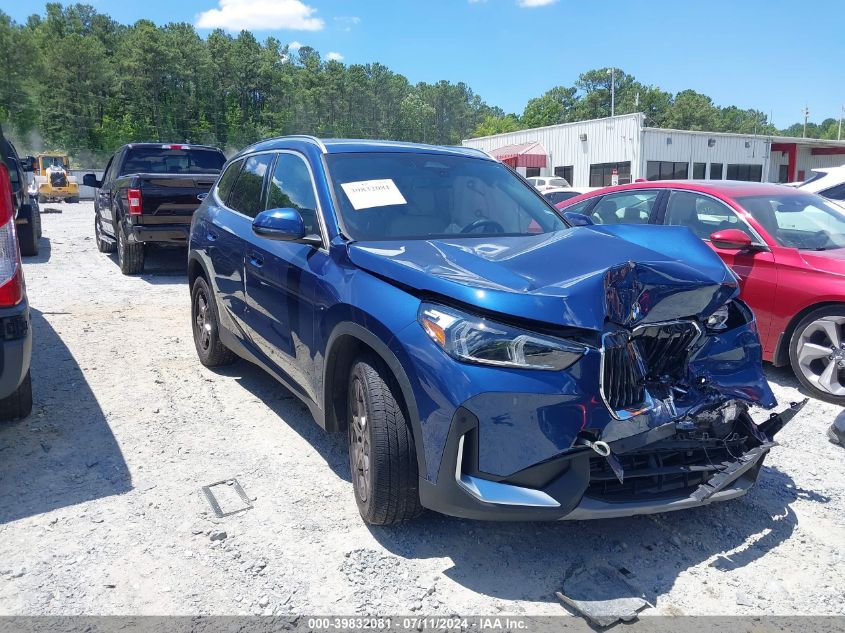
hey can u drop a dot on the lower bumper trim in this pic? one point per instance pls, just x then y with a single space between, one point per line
165 235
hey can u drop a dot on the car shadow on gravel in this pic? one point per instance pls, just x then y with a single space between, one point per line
784 377
44 252
530 561
291 411
64 453
161 265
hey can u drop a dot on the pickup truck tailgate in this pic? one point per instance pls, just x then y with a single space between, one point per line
173 195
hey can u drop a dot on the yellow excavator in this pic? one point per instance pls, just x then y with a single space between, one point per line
52 179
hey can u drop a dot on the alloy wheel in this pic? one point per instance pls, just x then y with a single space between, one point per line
821 354
202 323
360 444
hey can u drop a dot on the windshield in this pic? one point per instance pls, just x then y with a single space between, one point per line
387 196
54 161
155 160
803 221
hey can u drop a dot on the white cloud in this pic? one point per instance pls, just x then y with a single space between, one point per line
235 15
334 57
529 4
295 46
346 23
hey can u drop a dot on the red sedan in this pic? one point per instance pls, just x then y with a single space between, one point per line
786 246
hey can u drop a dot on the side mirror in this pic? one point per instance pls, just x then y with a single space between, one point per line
90 180
731 239
28 163
577 219
284 225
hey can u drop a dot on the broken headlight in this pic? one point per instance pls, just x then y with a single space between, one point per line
472 339
719 319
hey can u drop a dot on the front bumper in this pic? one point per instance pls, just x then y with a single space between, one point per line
566 487
15 347
48 191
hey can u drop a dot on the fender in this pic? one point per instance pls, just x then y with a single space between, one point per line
348 328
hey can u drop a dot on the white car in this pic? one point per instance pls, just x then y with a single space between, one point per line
828 182
542 183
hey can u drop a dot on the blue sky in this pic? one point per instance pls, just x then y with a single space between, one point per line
774 55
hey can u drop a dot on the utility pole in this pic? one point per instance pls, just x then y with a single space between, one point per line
612 73
806 113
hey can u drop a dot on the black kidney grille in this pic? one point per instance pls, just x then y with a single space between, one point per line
665 348
623 377
652 352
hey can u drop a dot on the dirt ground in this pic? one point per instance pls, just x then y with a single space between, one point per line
101 509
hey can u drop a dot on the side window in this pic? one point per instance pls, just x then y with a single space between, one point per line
625 207
107 174
702 214
291 187
246 192
837 192
224 184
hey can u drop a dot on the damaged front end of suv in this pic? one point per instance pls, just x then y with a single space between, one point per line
624 389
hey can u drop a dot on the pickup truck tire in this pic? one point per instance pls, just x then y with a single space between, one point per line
130 255
17 405
104 245
28 233
205 323
73 200
382 456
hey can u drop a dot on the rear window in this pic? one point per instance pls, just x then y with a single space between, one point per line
155 160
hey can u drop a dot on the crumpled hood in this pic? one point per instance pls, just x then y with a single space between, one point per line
577 277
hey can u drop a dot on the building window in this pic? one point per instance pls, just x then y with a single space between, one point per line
565 173
666 170
532 172
751 173
715 171
698 170
601 175
783 173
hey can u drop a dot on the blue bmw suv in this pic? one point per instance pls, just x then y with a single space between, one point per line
487 357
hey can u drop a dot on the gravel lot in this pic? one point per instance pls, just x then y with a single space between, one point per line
101 509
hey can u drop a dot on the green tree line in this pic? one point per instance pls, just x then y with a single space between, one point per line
77 80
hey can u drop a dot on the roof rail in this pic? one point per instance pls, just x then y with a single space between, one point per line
477 151
311 139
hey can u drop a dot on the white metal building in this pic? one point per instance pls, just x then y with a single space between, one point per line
599 152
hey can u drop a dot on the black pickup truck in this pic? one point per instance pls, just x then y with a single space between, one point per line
148 194
27 211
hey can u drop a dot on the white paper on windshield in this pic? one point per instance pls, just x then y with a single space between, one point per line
366 194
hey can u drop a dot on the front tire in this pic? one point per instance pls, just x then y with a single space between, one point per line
382 455
205 323
18 405
817 353
130 255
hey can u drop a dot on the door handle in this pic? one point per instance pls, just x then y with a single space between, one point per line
256 260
